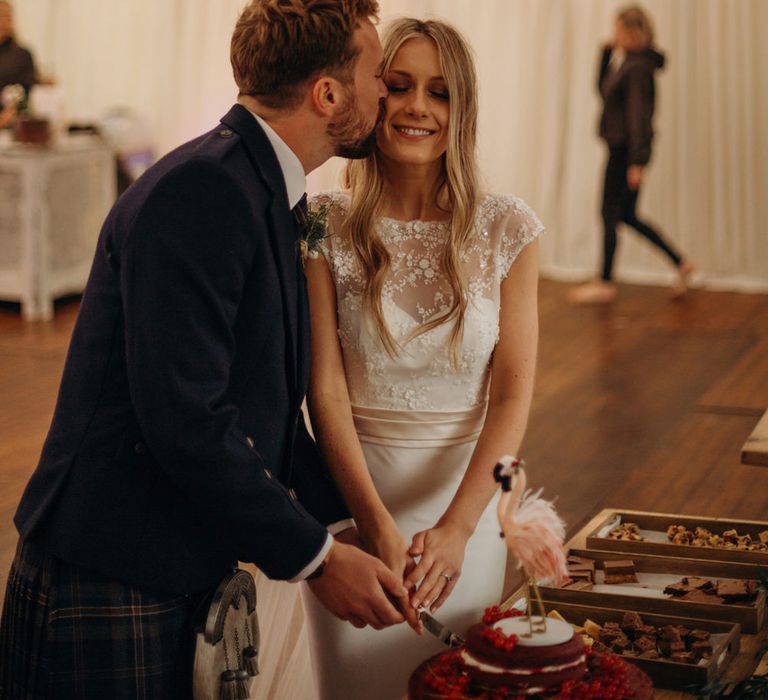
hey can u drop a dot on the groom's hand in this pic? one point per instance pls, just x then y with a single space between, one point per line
354 586
352 536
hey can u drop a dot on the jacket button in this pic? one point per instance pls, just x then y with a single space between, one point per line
293 495
250 441
139 448
226 133
268 473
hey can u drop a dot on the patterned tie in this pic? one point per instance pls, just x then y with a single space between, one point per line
300 210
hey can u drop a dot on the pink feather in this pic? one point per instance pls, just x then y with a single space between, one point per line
533 530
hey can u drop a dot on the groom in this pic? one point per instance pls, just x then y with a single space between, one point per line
178 445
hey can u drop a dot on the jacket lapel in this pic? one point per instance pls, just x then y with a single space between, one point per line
282 231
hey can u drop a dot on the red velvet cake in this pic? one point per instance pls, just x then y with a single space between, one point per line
497 661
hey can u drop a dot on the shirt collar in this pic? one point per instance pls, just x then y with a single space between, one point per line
293 170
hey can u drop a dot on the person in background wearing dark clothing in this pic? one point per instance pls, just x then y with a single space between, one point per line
627 86
16 63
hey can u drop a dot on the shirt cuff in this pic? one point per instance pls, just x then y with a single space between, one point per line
309 568
340 526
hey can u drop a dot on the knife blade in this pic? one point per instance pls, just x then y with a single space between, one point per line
439 630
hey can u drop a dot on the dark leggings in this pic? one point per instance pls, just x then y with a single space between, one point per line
619 204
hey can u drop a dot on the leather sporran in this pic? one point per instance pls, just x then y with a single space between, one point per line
227 647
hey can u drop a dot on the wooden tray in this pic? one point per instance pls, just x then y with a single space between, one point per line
674 565
751 617
660 522
663 672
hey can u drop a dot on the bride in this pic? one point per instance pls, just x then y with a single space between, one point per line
424 332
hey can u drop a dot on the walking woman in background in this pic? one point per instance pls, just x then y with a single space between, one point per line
627 86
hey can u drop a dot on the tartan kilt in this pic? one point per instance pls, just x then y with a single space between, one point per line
67 632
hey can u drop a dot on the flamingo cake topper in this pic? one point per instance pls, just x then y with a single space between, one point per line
534 534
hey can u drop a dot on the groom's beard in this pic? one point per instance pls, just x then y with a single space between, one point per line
354 138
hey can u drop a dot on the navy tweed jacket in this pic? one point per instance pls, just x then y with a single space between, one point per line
178 445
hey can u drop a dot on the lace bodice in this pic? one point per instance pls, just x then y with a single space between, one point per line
421 377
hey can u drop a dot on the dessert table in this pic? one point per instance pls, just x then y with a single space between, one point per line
53 200
743 664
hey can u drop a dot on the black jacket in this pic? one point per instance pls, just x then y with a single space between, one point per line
629 97
178 429
16 65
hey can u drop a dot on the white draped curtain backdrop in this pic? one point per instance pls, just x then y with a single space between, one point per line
168 60
707 186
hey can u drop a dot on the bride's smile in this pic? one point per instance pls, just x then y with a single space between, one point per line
411 132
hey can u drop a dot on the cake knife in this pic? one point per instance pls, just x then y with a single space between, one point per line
439 630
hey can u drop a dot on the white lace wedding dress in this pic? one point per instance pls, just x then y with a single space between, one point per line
418 420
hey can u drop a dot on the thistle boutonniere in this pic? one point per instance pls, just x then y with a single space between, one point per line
315 229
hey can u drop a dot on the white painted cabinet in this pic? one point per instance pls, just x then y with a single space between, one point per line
53 201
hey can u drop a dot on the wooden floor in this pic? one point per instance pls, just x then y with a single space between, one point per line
642 405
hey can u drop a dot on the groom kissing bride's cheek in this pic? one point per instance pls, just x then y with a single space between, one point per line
178 445
403 308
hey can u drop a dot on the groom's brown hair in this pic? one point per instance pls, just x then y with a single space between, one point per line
278 45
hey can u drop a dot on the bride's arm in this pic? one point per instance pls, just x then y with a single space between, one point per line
512 375
331 417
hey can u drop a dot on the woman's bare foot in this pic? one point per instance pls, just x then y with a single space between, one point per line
594 292
684 271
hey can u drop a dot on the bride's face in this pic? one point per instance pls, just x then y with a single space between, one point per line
415 127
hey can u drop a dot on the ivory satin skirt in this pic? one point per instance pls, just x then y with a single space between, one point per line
417 460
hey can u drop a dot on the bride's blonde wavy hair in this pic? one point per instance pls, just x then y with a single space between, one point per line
458 191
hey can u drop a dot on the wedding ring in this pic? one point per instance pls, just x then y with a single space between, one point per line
447 577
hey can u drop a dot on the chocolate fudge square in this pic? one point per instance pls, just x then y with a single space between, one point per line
645 631
736 590
645 644
581 575
669 632
649 654
698 582
698 635
631 622
619 571
608 636
683 657
699 596
703 648
677 589
620 645
688 584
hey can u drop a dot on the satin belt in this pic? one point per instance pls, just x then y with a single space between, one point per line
403 428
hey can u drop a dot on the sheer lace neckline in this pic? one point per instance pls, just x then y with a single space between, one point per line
414 225
413 292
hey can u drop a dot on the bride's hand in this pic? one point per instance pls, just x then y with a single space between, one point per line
441 549
388 544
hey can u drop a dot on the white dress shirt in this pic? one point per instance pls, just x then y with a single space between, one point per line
295 187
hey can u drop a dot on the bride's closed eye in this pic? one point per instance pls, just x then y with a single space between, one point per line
396 89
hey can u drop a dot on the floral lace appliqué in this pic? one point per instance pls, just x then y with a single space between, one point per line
422 377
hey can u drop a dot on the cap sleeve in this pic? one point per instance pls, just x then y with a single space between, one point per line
519 226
